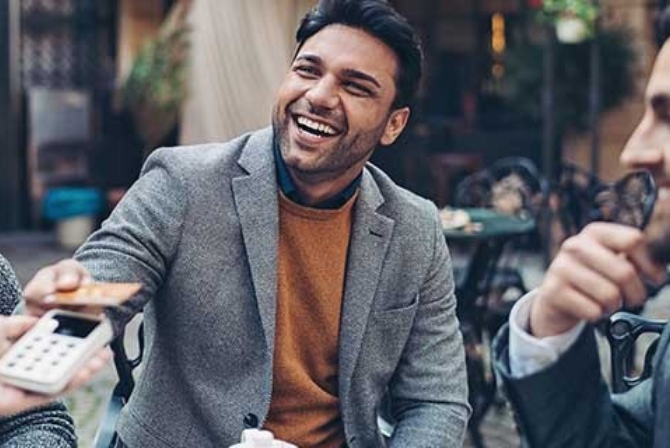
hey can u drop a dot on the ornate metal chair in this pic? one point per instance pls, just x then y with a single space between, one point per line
629 201
512 186
580 197
486 292
583 198
623 331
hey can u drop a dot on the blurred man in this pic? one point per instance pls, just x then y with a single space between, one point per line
288 283
548 356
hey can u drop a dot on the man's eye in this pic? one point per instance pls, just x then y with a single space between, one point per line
357 89
306 70
661 106
664 114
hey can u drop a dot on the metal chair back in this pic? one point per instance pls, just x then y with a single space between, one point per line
623 330
106 436
512 185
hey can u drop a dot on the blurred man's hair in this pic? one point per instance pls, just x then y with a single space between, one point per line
663 26
379 19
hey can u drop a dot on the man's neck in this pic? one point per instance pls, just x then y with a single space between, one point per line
312 192
315 193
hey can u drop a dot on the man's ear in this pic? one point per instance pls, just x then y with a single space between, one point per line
394 126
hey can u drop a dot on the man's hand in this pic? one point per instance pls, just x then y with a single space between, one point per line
66 275
594 274
14 400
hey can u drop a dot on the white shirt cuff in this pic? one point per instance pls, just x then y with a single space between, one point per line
528 354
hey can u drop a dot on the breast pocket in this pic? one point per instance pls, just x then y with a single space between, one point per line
398 312
389 329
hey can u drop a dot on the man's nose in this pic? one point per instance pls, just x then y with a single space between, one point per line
323 94
644 149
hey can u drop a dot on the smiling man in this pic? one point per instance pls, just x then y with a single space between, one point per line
548 355
287 282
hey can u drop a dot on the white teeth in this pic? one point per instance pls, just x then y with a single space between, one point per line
316 126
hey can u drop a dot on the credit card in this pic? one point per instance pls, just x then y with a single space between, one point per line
95 294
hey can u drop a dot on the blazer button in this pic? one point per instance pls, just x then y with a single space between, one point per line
251 420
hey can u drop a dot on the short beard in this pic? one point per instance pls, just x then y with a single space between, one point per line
659 250
657 235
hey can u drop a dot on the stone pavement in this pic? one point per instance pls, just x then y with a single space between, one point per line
27 252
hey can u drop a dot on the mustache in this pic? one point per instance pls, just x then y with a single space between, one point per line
304 107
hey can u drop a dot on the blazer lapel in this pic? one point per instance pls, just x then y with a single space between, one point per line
370 236
256 202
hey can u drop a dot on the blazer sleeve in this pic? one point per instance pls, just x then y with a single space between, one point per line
138 241
47 426
428 391
568 404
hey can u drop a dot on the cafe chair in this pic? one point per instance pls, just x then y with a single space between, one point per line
623 331
489 287
106 436
574 189
629 201
579 197
512 186
569 205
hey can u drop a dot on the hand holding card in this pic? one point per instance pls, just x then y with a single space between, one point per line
97 294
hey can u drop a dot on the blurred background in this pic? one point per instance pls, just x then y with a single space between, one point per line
88 88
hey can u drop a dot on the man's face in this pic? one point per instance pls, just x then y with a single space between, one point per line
334 105
649 148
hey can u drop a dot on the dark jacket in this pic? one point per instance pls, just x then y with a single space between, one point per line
568 404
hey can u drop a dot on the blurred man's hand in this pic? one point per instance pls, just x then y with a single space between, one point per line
14 400
66 275
594 274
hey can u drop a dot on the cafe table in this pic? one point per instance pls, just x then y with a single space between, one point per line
489 231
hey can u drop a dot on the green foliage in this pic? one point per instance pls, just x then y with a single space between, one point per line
524 78
156 86
586 10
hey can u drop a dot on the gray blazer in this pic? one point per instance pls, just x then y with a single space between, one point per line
47 426
568 405
199 230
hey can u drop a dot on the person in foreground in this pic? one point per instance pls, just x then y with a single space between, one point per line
548 356
27 419
287 283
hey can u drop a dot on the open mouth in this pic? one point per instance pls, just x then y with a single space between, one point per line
315 128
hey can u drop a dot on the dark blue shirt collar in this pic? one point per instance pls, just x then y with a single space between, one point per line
287 186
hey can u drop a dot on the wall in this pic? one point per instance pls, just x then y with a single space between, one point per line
12 211
617 125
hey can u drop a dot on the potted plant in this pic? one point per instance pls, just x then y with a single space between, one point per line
156 87
149 101
574 20
523 80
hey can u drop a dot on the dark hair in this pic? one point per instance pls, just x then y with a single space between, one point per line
663 26
380 20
